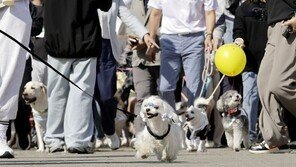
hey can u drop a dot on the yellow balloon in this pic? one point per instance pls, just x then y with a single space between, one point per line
230 59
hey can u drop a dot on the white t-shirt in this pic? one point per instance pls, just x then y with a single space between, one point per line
183 16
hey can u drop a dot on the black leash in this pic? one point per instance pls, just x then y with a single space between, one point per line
51 67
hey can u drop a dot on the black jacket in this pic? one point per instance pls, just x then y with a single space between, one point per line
250 24
279 10
72 28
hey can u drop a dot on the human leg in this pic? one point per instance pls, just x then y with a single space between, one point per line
106 83
12 65
145 82
78 121
251 101
57 92
193 63
276 85
170 66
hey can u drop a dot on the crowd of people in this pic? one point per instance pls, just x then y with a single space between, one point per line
167 42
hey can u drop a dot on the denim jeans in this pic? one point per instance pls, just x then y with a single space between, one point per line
251 101
181 51
70 113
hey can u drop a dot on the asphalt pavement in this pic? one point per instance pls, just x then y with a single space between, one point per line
126 157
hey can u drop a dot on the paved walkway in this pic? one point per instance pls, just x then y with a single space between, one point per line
125 157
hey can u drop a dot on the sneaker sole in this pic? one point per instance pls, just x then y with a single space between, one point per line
273 150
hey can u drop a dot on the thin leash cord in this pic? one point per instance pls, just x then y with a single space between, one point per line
51 67
207 71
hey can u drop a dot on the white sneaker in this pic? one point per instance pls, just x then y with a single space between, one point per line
114 141
5 150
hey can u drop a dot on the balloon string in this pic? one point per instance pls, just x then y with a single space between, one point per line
217 86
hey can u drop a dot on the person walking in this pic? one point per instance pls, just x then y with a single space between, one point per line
186 34
73 43
277 77
15 21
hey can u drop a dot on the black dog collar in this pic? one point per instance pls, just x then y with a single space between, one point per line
156 136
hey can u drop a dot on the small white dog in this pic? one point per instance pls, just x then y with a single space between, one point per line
197 125
160 133
234 120
35 94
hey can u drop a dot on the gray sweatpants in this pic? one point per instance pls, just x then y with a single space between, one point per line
277 85
15 21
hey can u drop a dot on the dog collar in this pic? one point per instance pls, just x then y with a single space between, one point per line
155 135
233 111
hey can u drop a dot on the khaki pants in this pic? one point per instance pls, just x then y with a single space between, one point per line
277 85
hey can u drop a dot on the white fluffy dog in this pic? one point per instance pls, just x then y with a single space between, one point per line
159 134
35 94
235 120
197 125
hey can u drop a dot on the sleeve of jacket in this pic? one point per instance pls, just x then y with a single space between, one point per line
239 24
104 5
131 21
37 19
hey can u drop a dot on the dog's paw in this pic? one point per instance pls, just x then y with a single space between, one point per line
202 150
191 149
141 156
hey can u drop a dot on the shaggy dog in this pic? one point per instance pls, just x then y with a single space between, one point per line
35 95
234 120
160 135
197 125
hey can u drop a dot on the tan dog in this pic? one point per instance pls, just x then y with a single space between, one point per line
35 94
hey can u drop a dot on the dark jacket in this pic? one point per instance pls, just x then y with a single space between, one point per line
250 24
72 28
36 43
279 10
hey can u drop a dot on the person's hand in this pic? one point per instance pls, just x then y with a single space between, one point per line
216 43
239 42
208 44
152 47
291 23
150 41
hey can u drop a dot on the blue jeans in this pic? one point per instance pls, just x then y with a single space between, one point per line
105 90
181 51
70 112
251 101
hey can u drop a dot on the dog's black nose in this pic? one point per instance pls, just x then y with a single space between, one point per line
25 94
147 109
186 115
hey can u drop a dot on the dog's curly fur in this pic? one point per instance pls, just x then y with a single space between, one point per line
234 120
35 94
158 117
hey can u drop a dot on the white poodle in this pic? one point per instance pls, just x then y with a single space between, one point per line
161 133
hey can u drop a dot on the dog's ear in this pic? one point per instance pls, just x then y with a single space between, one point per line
142 111
169 112
219 105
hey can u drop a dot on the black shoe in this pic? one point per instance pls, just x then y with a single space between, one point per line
79 151
292 145
263 148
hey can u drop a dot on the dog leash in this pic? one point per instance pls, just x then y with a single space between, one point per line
51 67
